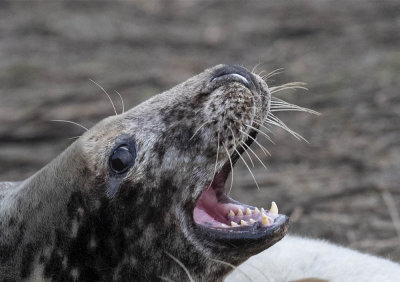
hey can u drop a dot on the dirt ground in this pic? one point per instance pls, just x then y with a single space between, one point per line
344 186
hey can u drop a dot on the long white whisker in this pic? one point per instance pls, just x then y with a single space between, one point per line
255 67
252 163
233 267
293 83
261 73
74 137
105 92
272 73
274 110
198 129
272 119
248 147
289 87
275 120
122 101
261 132
72 122
216 162
166 279
259 271
234 143
258 187
265 151
230 161
181 265
280 105
259 122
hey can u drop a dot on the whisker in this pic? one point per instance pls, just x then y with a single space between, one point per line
72 122
254 69
252 163
261 132
265 151
293 83
233 267
274 110
281 105
105 92
248 147
272 119
258 187
216 162
198 129
74 137
181 265
166 279
260 73
122 101
259 271
259 122
285 88
289 85
273 73
230 161
234 143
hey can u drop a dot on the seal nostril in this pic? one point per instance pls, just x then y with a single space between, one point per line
241 77
233 73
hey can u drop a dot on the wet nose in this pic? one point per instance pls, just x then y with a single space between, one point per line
238 71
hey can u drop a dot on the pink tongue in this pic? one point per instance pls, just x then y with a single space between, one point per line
209 212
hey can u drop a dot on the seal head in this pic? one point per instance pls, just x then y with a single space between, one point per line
142 195
187 140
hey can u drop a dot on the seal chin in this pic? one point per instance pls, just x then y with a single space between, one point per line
224 219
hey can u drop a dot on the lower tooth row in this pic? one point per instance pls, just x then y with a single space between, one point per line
264 221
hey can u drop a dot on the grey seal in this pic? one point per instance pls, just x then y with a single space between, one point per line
141 197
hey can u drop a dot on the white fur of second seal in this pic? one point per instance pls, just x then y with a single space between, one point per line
295 258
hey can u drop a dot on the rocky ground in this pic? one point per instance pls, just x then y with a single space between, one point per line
344 186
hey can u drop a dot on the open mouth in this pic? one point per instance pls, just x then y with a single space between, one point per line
222 217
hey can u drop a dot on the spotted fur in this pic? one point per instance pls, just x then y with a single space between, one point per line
63 224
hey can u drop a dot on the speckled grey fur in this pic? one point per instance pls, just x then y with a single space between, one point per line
62 224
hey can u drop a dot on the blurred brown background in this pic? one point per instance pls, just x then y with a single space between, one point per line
344 186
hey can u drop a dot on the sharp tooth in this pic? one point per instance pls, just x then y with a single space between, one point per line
252 221
224 225
256 210
231 213
234 224
274 208
240 213
243 223
264 220
248 211
262 210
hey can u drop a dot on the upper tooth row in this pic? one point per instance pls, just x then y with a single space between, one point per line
273 209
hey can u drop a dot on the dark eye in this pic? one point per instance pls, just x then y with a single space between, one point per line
122 159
